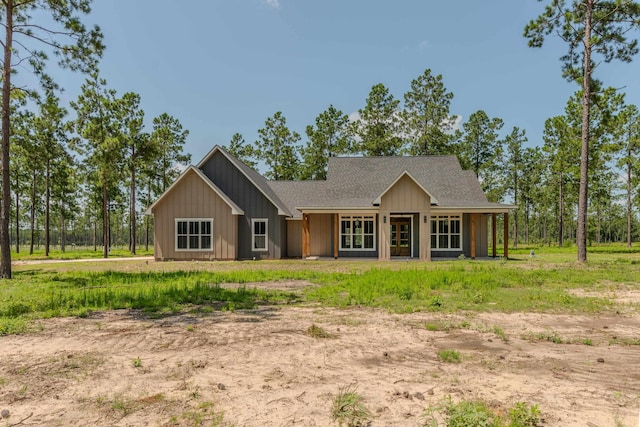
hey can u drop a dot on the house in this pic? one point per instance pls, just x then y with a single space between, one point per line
421 207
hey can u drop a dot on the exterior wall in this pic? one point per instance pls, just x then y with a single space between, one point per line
294 239
406 197
193 198
255 205
321 234
482 238
482 235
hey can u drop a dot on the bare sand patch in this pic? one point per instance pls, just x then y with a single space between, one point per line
260 367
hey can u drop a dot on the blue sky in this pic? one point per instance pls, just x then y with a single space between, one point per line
224 66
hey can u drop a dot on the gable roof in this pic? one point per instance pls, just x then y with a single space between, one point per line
254 177
403 174
235 209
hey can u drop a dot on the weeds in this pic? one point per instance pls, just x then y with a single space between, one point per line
499 332
137 362
318 332
348 409
449 356
478 414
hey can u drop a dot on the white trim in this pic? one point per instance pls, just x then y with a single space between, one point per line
210 154
200 235
377 199
266 235
391 216
436 217
371 218
235 209
473 209
346 210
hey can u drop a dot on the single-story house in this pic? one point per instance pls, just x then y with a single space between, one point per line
421 207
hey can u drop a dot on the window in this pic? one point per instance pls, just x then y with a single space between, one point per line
259 234
194 234
357 233
446 232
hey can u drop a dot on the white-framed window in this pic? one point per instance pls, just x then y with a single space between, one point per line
357 233
259 233
194 234
446 232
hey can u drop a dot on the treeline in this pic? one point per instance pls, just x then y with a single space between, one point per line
541 178
73 179
86 180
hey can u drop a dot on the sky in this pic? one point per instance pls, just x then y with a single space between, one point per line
225 66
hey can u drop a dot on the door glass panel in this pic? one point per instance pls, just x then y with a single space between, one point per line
394 235
404 235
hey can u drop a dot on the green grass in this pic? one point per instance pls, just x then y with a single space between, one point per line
449 356
348 408
543 284
74 253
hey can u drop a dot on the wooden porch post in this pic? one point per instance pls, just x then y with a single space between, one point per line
494 233
506 235
336 224
473 236
306 243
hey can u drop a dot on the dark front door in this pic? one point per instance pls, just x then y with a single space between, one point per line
401 237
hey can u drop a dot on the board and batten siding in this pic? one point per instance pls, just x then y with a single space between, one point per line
405 197
294 239
193 198
255 205
482 235
321 235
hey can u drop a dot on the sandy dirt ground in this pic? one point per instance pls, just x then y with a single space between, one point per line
261 367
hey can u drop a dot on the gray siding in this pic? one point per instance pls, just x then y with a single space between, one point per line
255 205
294 239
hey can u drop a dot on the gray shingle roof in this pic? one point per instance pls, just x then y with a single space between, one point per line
355 182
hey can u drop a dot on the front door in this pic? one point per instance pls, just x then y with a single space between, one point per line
401 237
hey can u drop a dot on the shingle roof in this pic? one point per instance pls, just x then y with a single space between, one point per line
355 182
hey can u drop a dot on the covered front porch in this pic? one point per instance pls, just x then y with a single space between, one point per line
397 235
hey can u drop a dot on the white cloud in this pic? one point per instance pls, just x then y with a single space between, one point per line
457 123
423 44
272 3
354 117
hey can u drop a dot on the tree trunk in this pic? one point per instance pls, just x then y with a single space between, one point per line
17 223
5 248
95 234
515 215
629 191
132 215
105 220
561 225
62 230
47 205
146 220
33 211
583 197
598 223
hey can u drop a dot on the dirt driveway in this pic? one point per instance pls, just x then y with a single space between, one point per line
261 368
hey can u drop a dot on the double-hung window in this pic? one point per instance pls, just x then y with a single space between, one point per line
357 233
446 232
194 234
259 233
